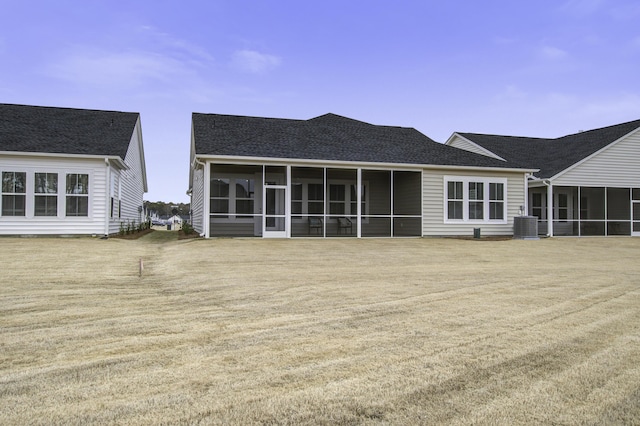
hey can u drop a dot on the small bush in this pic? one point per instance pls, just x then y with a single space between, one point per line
187 228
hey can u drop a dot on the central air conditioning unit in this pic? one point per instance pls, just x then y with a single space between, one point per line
525 228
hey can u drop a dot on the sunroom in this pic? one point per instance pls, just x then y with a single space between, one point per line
312 200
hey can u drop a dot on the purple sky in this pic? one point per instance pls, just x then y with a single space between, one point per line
543 68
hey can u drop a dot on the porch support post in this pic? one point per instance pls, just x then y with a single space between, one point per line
287 205
206 220
550 209
359 206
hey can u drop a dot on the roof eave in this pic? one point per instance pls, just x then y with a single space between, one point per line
112 158
244 159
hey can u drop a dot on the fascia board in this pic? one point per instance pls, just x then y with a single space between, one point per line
112 158
345 164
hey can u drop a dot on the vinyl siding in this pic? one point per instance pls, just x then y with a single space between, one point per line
461 143
197 200
618 165
131 183
433 222
93 224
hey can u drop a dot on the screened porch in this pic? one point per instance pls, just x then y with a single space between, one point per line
586 211
315 202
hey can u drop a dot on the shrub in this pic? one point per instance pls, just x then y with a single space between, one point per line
187 228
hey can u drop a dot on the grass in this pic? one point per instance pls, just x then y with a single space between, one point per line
342 331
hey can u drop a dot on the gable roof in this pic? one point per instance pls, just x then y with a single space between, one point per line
551 156
36 129
327 137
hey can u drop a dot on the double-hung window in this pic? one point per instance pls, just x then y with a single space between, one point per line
472 199
455 200
496 201
14 185
46 194
77 194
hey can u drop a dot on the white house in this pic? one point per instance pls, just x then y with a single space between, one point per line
588 183
69 171
333 176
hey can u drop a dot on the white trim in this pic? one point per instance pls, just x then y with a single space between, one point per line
486 181
484 150
115 158
224 159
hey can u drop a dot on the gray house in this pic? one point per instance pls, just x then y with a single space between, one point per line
69 171
332 176
588 183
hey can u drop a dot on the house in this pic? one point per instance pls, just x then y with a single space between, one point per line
588 183
332 176
69 171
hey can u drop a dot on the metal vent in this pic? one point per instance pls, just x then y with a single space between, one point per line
525 228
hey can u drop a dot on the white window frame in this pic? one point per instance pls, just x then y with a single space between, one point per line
296 217
24 194
232 216
68 195
466 180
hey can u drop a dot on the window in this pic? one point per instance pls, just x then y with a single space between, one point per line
244 197
232 198
77 190
220 197
315 196
13 193
538 208
476 205
296 198
475 199
496 201
563 207
46 194
337 199
454 200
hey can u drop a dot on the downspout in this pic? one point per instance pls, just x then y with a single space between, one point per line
547 183
107 198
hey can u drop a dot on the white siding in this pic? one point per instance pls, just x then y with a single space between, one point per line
197 200
94 223
131 182
618 165
433 222
458 142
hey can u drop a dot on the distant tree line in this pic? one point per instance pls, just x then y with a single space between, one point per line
168 209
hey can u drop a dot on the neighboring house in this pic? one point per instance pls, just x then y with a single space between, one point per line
175 221
69 171
335 176
588 183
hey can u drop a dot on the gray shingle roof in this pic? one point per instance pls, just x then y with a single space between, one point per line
37 129
551 156
327 137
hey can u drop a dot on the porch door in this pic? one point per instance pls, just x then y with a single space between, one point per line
635 216
275 211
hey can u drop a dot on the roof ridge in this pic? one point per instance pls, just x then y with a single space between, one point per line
65 108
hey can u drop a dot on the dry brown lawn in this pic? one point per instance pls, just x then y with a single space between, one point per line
342 331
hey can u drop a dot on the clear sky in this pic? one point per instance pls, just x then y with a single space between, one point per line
533 68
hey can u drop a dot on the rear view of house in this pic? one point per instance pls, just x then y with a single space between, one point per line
588 183
333 176
69 171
